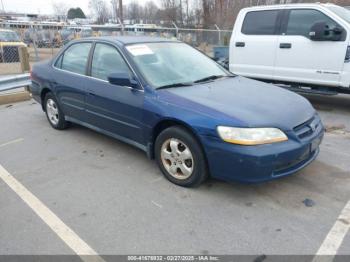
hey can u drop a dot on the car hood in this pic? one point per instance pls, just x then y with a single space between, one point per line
247 102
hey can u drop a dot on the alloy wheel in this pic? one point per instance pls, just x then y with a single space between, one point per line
52 111
177 158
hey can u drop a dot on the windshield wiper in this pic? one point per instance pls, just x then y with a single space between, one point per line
175 85
213 77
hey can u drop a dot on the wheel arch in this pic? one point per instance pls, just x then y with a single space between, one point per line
170 122
43 93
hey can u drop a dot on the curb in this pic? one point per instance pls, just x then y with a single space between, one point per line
14 97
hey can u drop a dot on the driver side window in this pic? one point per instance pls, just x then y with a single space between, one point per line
107 60
301 20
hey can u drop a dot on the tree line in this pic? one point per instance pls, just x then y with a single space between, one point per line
184 13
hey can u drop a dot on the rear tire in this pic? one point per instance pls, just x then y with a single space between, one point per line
53 112
180 157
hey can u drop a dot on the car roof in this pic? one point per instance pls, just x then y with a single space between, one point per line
126 40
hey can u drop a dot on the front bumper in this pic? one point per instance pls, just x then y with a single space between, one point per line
262 162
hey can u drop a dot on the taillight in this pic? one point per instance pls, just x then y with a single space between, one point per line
31 75
347 56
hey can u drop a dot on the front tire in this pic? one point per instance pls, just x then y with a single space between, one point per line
53 112
180 157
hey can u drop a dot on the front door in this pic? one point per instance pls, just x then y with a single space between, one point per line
302 60
112 108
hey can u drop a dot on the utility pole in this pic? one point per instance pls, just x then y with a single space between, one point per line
2 5
115 10
121 11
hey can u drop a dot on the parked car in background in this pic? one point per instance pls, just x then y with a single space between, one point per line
297 44
179 106
84 32
70 33
9 44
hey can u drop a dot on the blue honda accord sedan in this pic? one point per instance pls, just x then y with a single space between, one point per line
180 107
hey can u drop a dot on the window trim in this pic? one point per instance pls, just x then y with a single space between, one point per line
60 57
277 27
285 21
93 42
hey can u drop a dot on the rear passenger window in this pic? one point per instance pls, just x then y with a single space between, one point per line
75 58
107 60
260 23
300 21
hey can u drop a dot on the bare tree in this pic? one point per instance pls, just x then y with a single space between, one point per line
170 10
180 12
206 6
114 9
60 9
134 11
150 11
199 13
121 11
100 10
187 11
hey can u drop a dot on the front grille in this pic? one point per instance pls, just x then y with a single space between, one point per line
285 167
307 128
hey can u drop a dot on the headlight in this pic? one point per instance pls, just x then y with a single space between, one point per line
251 136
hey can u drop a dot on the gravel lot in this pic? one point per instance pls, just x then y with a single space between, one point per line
117 201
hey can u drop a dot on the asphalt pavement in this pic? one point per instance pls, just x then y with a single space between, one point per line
117 201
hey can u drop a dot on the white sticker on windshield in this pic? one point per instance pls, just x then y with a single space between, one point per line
137 50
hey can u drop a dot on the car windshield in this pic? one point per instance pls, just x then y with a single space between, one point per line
8 36
341 12
169 64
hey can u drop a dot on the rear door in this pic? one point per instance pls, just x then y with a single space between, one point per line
70 81
302 60
253 47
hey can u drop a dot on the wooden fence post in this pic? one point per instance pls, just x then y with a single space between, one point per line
24 58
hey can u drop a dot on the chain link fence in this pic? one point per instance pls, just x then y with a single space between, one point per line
43 41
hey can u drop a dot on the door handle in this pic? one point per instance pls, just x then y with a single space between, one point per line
285 45
91 94
240 44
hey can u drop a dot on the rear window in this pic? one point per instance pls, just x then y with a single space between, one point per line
260 22
75 58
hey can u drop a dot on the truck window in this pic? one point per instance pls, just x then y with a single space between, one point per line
260 23
300 21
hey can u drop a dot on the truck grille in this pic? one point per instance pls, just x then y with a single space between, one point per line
307 128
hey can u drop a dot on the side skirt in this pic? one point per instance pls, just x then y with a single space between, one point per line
102 131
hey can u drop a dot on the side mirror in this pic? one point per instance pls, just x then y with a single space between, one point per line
321 32
122 79
338 33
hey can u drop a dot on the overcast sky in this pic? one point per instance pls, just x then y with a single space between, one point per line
45 6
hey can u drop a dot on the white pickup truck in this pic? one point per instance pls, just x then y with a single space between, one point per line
302 45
